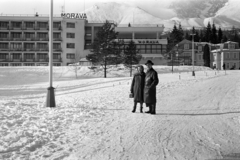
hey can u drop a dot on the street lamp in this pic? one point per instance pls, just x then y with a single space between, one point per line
177 54
50 102
193 73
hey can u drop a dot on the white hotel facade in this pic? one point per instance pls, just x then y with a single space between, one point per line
24 40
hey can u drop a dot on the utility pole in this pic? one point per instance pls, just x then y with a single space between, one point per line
193 34
50 102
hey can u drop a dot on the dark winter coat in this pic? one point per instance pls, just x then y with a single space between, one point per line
137 86
151 81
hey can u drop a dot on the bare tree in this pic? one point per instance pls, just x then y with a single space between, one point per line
75 66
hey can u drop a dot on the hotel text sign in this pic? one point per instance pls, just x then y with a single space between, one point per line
147 41
74 15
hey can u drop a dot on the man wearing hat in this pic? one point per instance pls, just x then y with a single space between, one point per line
151 81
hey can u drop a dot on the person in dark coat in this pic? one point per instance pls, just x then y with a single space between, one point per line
151 81
137 88
223 66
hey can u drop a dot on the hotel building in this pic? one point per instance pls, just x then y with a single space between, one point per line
24 40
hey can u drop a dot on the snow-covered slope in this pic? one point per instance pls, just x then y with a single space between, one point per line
197 117
224 13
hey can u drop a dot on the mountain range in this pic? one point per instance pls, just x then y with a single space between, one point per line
197 13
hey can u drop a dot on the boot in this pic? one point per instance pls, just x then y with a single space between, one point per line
153 111
134 107
141 108
150 108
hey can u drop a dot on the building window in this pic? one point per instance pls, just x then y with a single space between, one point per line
88 44
16 45
43 46
56 64
200 57
231 46
56 35
200 48
42 55
70 35
3 35
42 24
235 55
4 45
4 24
154 48
29 24
227 56
142 48
3 64
227 65
148 48
70 45
29 35
56 24
159 48
16 24
16 56
186 46
3 55
70 56
56 55
16 64
56 46
16 35
29 55
70 25
42 35
29 64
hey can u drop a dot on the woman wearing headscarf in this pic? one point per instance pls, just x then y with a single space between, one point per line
137 88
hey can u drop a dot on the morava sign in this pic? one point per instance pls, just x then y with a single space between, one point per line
74 15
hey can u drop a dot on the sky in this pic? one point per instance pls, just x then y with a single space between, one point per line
18 7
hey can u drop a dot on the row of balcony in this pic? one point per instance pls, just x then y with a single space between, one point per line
30 60
31 49
29 28
30 39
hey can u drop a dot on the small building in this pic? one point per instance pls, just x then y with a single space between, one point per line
229 54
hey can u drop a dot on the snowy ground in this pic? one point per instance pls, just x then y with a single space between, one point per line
197 117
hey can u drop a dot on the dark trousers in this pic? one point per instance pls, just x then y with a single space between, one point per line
135 106
152 108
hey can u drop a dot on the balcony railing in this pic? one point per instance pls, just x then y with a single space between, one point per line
4 39
57 39
4 49
16 49
42 49
57 49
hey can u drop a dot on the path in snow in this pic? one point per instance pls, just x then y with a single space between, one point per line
198 121
197 118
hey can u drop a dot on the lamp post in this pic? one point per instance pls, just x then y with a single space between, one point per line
193 73
50 102
177 54
172 62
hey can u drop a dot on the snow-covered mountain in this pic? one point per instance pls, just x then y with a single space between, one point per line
189 13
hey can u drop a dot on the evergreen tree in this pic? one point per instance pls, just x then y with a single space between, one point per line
180 33
192 32
201 36
187 36
214 34
103 46
130 56
176 36
220 35
207 34
206 56
196 37
225 38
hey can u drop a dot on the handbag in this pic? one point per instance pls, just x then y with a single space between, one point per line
131 95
